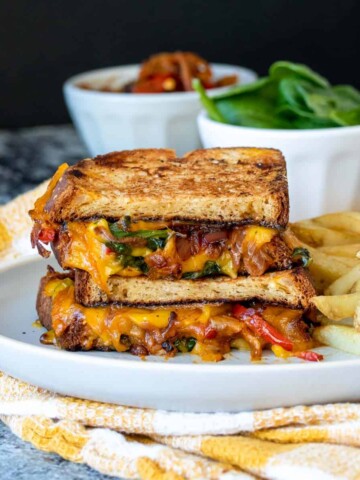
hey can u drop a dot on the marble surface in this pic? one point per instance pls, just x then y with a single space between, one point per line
27 157
21 461
30 155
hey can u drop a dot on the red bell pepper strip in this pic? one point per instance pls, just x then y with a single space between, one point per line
210 332
261 327
310 356
47 235
239 310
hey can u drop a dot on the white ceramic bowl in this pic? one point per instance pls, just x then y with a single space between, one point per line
323 165
118 121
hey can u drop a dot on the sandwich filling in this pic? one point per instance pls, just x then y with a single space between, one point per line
208 330
171 250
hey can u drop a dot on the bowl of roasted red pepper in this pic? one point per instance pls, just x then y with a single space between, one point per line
146 105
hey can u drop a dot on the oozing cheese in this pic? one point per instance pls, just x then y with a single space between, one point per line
87 251
108 323
259 235
195 263
38 213
140 251
141 225
118 328
226 264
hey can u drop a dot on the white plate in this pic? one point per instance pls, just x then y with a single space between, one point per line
183 383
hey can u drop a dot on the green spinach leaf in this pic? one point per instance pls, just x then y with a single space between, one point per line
210 268
118 232
155 243
185 345
283 69
210 106
120 248
246 88
302 119
252 108
134 262
348 118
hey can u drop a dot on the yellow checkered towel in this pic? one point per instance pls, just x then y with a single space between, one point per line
319 442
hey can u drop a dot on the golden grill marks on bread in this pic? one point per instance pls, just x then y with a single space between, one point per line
292 288
206 330
231 185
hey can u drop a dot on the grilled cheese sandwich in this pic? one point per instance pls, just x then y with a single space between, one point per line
167 255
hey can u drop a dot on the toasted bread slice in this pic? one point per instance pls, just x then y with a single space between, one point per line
292 288
231 185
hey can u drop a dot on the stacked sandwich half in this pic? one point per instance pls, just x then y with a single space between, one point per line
164 255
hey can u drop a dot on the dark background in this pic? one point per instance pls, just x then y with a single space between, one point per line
42 42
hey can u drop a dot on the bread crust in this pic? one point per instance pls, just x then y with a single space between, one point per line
44 303
292 288
224 185
77 336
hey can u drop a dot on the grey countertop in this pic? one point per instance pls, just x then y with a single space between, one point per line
30 155
21 461
27 157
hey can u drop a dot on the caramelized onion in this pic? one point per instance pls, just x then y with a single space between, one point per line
235 241
106 234
254 343
183 248
133 241
34 234
138 350
162 266
35 242
196 330
214 250
161 335
226 326
184 71
156 260
195 242
213 237
257 259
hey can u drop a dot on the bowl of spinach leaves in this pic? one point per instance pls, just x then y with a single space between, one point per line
315 124
292 96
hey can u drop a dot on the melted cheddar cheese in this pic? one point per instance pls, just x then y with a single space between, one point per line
259 235
212 329
195 263
108 323
141 225
87 251
38 213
